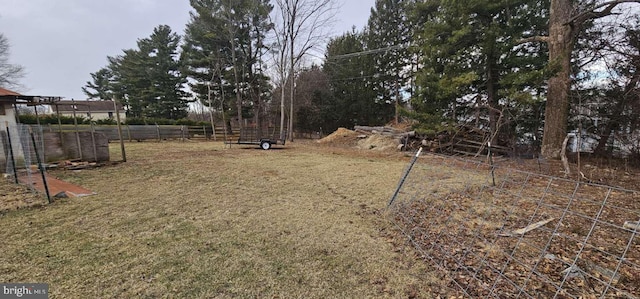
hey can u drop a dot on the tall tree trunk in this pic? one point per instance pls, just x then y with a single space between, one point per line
492 84
282 70
397 104
282 97
258 88
292 41
291 111
234 61
291 71
256 100
561 43
492 100
238 96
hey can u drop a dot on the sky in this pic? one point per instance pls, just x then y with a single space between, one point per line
60 42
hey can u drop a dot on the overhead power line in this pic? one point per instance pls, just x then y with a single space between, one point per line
367 52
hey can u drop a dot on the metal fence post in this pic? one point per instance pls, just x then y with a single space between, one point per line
13 159
40 165
404 177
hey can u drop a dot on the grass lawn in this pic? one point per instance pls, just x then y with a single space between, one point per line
196 220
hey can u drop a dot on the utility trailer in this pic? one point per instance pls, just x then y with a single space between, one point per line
265 138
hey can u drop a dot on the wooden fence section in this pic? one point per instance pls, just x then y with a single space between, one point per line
149 132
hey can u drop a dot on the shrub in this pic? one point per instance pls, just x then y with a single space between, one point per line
106 121
163 121
31 119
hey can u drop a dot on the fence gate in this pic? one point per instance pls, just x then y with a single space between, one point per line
495 232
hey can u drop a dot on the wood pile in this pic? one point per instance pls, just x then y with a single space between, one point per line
77 165
463 140
385 131
399 135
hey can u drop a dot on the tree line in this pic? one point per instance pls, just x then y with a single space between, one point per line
523 71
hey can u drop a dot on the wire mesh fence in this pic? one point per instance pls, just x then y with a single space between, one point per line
20 153
149 132
497 232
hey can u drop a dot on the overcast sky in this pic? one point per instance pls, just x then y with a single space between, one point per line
59 42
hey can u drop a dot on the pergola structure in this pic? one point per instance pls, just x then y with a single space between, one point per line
13 98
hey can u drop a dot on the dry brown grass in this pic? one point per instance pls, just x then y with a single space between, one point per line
195 220
14 197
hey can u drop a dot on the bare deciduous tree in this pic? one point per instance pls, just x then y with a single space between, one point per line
9 73
301 26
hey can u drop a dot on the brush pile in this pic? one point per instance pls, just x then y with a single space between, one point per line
462 140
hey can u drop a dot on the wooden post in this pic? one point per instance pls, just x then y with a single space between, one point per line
115 106
59 125
75 124
158 132
17 113
93 135
213 126
35 108
129 133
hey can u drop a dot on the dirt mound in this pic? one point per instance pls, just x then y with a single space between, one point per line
352 139
341 137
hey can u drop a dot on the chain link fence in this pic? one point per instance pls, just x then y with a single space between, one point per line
496 232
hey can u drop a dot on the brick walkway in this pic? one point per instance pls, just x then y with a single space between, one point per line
55 185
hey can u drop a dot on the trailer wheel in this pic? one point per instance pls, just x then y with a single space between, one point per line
265 145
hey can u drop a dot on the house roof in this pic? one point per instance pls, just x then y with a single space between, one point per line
85 106
6 92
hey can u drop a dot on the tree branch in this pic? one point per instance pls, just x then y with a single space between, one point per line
593 14
538 39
